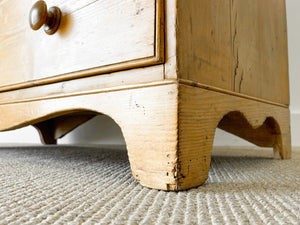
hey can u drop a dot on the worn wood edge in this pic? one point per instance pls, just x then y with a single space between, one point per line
112 80
167 81
224 91
85 73
171 30
112 89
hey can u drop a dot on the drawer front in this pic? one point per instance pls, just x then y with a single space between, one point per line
94 37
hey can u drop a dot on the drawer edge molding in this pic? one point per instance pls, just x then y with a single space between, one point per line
158 57
90 92
85 73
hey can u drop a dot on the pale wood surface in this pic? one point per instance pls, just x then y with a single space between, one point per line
225 66
201 111
105 35
171 40
259 42
168 128
238 45
204 42
228 92
146 116
104 83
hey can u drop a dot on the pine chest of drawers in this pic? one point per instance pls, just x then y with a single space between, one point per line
169 72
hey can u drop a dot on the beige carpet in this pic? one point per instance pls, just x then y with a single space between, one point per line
76 185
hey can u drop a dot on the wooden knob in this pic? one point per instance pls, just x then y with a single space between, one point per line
39 16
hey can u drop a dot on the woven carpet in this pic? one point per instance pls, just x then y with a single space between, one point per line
84 185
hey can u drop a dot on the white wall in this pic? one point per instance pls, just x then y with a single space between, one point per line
293 19
102 130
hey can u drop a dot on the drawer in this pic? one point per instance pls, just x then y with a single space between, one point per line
94 37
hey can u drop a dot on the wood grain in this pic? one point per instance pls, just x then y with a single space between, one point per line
202 111
171 27
94 37
223 64
259 43
168 129
101 83
146 116
204 48
237 45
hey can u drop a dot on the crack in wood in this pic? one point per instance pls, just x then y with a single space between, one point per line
241 81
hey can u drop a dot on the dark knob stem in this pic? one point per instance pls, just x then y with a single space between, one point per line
39 16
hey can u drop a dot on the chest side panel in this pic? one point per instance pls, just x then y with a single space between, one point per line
236 45
259 42
204 42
